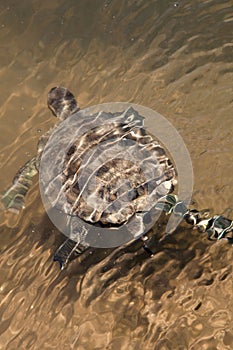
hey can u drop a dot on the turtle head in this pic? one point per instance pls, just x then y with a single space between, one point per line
62 102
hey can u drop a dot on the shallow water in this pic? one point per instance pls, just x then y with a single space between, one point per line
175 57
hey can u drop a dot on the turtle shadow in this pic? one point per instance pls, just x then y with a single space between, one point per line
98 270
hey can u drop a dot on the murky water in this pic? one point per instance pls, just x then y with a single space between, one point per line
175 57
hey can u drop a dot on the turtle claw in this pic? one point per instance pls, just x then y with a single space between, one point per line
61 261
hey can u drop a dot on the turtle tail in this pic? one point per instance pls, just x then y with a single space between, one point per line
13 198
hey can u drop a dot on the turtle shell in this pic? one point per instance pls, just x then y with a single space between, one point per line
105 168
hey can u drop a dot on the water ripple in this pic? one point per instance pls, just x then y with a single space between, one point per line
175 57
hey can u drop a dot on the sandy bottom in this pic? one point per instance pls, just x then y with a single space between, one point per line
175 58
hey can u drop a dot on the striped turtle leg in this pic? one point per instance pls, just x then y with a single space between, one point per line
69 250
13 198
217 227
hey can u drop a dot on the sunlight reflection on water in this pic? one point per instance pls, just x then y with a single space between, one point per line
175 58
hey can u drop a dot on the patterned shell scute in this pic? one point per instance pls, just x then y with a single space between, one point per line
105 168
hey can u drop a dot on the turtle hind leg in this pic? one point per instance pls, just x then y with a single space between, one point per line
13 198
68 251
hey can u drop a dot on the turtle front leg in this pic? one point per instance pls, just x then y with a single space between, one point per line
13 198
69 250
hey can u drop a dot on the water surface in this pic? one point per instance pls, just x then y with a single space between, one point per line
176 58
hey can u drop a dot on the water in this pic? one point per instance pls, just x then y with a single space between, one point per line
176 58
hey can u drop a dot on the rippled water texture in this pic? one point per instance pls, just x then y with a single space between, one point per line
176 58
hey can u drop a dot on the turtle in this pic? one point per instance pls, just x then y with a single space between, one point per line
103 172
120 179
